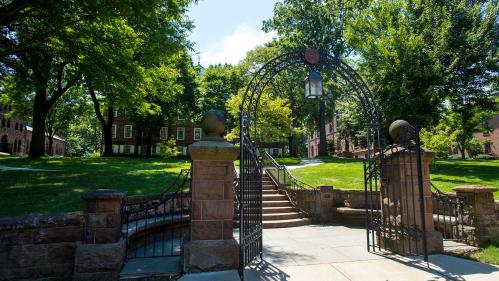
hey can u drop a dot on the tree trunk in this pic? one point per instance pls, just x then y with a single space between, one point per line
108 140
291 143
106 126
322 129
463 151
50 138
149 143
37 148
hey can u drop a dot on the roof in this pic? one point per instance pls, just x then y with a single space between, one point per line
30 129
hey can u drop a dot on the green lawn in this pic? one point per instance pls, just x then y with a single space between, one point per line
445 174
489 254
23 192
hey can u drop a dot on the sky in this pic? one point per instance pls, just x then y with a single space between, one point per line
225 30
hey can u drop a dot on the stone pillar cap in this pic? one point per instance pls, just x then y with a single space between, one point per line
104 194
475 188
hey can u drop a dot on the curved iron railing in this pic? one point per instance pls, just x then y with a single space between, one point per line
286 182
152 224
448 215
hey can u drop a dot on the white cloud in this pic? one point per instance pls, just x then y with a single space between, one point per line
233 48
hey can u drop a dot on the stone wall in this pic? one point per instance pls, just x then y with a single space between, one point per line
36 246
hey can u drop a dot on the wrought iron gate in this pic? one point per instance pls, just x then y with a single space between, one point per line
395 215
250 199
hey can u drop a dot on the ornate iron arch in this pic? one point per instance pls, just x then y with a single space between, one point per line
251 170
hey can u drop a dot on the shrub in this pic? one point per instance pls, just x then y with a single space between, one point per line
168 149
484 157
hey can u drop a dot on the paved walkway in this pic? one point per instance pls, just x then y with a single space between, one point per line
7 168
305 163
320 253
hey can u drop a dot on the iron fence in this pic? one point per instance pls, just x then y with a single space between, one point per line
155 225
448 215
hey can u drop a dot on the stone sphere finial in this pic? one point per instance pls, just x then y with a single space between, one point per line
401 131
213 125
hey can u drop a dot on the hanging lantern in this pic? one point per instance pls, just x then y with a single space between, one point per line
313 85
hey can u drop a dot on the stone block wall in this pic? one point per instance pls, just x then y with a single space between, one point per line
36 246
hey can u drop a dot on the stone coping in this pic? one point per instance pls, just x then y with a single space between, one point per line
474 188
42 221
135 227
104 194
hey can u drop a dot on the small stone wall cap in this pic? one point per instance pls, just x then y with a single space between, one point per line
104 194
475 188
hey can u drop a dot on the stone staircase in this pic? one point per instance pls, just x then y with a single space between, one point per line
277 211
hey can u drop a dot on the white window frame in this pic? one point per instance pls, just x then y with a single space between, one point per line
131 131
180 118
163 133
200 130
181 129
113 131
115 113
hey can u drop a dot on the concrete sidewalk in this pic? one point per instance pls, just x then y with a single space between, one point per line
320 253
305 163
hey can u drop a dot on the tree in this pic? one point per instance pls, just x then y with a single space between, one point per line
218 83
66 40
317 24
274 120
466 51
62 114
395 56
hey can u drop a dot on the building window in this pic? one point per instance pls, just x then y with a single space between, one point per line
180 118
8 123
127 132
180 133
126 149
487 149
163 133
113 131
3 122
17 126
115 113
21 127
486 125
165 117
197 134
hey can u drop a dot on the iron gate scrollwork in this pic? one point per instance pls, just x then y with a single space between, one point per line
394 189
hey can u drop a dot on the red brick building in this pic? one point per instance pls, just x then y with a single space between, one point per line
126 139
15 136
492 137
344 147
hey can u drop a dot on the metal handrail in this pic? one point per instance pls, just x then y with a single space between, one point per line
450 214
287 174
288 184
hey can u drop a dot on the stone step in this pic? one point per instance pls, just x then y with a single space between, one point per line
273 210
268 183
269 188
280 216
273 197
275 204
269 191
286 223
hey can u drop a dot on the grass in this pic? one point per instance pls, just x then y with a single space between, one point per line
26 192
489 254
281 161
445 174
